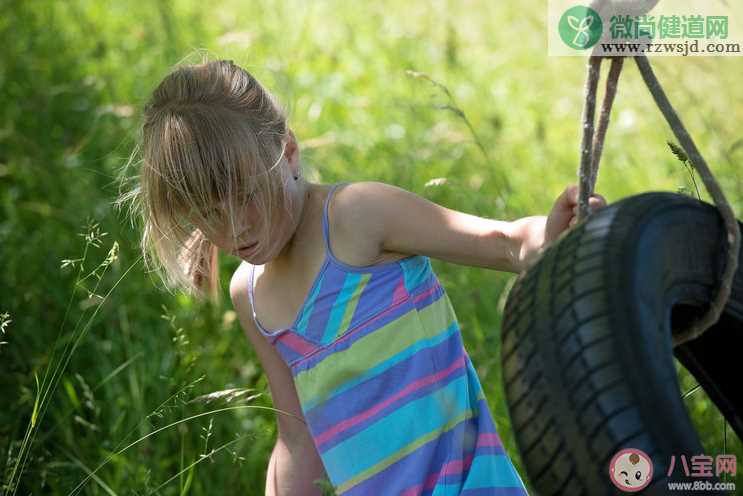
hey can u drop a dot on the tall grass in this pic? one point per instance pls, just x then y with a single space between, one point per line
111 385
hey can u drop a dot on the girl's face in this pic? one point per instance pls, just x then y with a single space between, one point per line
246 241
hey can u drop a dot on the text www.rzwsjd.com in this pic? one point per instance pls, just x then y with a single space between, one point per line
683 49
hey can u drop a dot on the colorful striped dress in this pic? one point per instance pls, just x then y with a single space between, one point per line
389 394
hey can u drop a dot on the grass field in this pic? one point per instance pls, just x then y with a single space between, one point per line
97 358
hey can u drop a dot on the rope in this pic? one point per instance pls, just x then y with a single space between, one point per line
611 91
592 146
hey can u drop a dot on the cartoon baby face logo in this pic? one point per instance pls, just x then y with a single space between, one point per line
631 470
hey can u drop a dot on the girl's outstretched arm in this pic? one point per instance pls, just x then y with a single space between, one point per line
295 462
396 220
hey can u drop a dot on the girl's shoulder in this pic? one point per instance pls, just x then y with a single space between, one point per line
239 284
356 233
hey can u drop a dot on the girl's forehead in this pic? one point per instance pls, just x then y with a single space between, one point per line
223 215
244 207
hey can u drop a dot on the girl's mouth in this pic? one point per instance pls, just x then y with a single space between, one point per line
247 250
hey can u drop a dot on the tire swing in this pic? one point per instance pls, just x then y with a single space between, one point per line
591 328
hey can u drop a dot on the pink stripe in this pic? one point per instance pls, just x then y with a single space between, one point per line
450 468
400 293
297 343
413 491
427 292
488 439
410 388
456 467
453 467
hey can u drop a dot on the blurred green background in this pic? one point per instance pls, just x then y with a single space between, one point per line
73 78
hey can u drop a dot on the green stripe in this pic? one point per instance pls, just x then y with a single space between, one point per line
382 367
315 383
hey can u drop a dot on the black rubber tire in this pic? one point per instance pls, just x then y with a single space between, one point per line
586 347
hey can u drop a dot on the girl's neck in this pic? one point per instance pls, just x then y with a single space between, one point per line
308 206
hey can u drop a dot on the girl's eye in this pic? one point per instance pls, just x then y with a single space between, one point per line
638 475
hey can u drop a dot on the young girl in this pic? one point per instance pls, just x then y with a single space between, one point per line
359 341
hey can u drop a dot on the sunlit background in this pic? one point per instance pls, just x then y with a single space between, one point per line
454 100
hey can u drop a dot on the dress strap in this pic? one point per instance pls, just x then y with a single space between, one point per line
252 302
325 222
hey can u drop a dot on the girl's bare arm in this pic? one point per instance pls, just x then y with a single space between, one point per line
293 467
294 462
393 219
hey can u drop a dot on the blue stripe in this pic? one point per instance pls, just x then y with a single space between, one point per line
415 271
392 410
324 304
366 392
340 304
287 353
376 295
489 471
308 309
415 467
393 433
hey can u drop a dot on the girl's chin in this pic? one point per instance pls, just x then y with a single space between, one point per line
260 257
253 259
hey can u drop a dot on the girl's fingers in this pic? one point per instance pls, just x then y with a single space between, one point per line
595 201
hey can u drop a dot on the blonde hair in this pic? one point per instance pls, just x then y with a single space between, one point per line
212 137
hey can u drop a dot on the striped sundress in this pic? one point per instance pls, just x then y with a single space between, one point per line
389 394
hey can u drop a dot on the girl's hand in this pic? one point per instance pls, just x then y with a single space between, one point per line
535 233
565 210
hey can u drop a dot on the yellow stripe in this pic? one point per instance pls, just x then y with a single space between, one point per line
351 307
361 477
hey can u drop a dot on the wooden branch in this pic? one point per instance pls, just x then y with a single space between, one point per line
589 111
